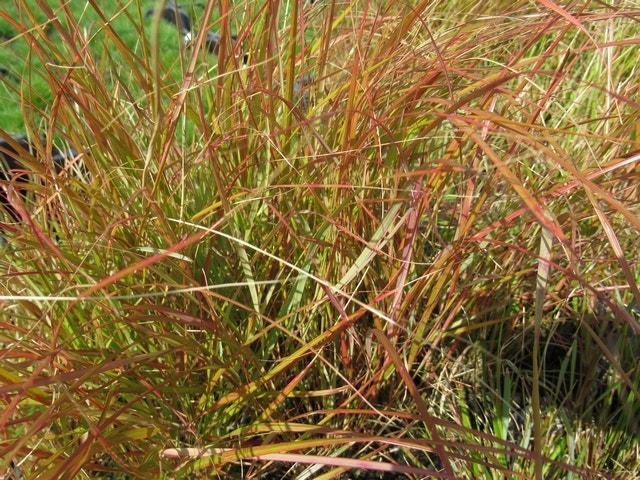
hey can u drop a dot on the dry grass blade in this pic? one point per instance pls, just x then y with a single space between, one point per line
542 285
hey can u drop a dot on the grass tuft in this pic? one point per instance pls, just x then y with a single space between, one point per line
364 240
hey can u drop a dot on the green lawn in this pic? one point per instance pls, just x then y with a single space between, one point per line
400 242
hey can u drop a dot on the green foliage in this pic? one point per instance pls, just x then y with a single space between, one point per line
400 240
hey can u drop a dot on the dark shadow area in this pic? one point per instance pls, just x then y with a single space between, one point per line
16 153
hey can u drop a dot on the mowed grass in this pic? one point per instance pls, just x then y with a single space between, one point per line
419 262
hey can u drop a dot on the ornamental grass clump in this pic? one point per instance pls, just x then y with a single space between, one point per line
361 240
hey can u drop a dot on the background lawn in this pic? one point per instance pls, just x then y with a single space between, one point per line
365 240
